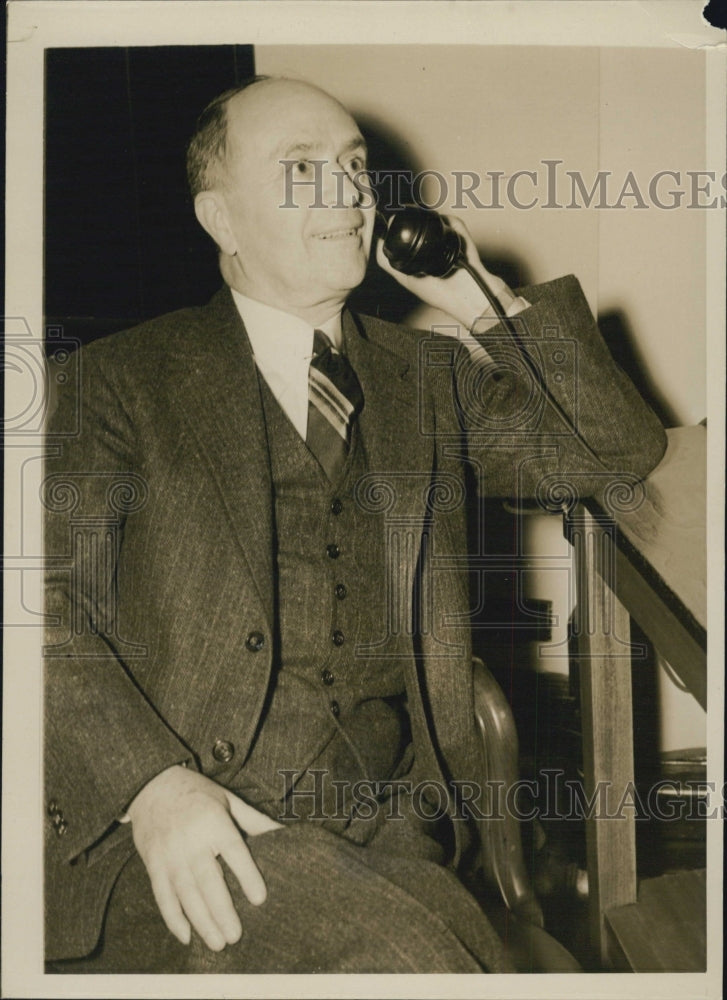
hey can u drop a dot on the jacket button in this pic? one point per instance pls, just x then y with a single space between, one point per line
223 751
61 827
327 677
338 637
255 642
336 506
340 591
52 807
333 551
335 709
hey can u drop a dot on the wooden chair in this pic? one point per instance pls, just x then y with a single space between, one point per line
530 946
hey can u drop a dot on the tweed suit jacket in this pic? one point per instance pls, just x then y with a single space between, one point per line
159 541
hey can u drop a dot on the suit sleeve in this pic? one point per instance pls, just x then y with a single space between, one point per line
517 443
104 741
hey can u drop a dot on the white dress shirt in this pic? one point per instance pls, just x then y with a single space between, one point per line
282 346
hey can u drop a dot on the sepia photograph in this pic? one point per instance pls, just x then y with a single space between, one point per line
364 492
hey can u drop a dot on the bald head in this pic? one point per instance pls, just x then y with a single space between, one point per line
246 105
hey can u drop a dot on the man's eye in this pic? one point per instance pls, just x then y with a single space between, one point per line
356 165
298 167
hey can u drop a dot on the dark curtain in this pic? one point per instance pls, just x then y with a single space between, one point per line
121 240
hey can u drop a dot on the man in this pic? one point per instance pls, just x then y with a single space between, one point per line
256 540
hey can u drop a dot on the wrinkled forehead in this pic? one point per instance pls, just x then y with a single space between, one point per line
273 119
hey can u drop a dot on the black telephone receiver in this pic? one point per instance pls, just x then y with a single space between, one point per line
417 241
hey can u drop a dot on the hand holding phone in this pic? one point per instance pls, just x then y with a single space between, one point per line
426 248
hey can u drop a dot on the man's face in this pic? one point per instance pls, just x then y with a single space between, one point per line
300 247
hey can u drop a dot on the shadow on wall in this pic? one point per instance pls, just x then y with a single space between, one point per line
621 342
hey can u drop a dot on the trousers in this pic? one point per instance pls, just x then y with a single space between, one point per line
332 907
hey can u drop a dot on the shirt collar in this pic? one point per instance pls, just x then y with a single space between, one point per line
277 337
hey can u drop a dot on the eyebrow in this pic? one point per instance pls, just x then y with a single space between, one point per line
356 142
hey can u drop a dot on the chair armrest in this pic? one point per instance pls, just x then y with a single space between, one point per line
501 846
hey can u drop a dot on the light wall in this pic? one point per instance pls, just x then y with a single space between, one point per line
511 108
474 108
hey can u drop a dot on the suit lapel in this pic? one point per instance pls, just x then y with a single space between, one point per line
220 403
389 421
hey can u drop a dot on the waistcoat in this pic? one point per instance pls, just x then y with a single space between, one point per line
334 713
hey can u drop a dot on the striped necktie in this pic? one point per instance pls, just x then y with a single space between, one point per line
334 399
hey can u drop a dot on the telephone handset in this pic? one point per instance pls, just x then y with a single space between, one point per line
418 241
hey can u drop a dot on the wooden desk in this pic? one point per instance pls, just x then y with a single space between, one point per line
640 552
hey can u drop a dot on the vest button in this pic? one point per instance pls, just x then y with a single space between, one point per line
335 709
338 637
61 827
333 551
223 751
327 677
336 506
255 642
340 591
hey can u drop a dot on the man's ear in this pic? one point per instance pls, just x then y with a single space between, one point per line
211 212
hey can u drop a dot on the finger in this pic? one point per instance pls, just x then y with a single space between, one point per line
248 818
197 912
381 258
213 889
460 227
237 856
457 224
170 908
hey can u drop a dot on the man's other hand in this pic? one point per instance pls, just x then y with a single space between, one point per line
182 822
